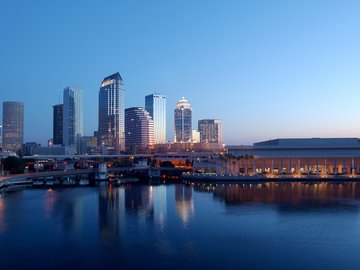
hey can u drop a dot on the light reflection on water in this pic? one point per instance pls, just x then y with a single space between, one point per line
257 226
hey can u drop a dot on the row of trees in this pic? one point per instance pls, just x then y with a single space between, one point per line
13 165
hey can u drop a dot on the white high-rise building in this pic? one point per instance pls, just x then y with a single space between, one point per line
73 126
155 104
139 130
183 121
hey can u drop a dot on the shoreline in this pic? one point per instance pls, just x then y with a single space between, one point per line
266 179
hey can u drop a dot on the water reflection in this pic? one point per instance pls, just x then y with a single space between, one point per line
139 201
184 202
2 214
290 196
160 205
109 215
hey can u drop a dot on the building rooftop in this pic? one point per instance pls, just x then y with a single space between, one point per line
309 143
183 103
114 76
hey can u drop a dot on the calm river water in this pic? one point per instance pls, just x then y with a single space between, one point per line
266 226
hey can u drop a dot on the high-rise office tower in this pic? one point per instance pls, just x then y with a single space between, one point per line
111 113
139 130
13 126
210 130
183 121
72 116
58 124
155 104
0 137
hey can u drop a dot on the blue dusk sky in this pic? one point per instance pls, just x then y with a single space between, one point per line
268 69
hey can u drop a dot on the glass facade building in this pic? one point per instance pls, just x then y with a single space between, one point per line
155 104
183 121
58 124
139 130
210 130
13 126
72 116
0 137
111 131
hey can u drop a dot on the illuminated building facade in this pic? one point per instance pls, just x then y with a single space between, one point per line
309 156
13 126
210 131
72 116
139 130
58 124
111 131
183 121
155 104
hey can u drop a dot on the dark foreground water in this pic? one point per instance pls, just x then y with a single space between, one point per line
267 226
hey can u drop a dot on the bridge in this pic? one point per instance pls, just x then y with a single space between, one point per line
89 173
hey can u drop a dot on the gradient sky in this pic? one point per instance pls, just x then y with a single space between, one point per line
268 69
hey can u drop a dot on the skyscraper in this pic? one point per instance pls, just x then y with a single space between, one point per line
183 121
58 124
139 130
111 113
13 126
210 131
155 104
72 116
0 137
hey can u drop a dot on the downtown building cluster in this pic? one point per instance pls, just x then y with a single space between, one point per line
120 130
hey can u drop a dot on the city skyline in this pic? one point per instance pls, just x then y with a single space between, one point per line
266 69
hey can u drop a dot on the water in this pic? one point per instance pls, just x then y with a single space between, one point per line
267 226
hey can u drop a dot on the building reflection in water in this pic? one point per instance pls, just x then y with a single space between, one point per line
110 202
2 214
160 205
184 202
139 201
289 196
50 201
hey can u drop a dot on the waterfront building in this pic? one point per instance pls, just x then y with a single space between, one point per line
111 114
210 131
13 126
72 116
58 124
155 104
183 121
308 156
139 130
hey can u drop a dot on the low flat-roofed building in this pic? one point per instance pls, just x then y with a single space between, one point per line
300 155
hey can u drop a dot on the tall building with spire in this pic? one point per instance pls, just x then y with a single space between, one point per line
73 126
155 104
139 130
111 133
13 126
183 121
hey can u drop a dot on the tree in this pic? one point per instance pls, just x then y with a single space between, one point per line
167 164
14 165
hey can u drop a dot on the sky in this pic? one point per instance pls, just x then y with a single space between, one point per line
268 69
